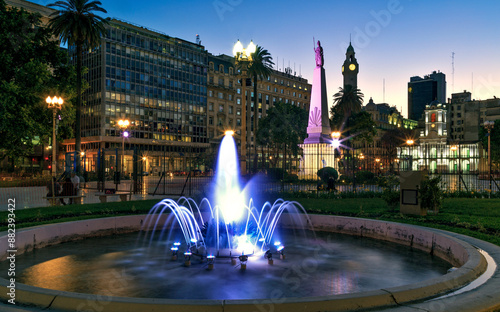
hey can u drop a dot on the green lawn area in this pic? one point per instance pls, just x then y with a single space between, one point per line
478 218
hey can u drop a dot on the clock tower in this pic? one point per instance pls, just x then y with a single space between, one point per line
350 68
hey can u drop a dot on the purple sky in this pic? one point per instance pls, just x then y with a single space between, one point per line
393 39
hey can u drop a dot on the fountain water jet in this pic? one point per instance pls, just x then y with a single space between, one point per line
233 226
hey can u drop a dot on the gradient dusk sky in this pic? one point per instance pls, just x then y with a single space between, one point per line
393 39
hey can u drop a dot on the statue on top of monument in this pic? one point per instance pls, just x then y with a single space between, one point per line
319 55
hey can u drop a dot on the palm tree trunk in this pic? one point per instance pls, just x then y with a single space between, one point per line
255 120
78 131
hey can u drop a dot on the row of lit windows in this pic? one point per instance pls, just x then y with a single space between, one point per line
149 72
147 60
193 90
154 93
156 46
154 77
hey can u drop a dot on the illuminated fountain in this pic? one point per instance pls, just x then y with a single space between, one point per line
232 227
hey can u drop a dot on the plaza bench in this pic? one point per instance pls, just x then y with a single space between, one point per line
103 197
54 201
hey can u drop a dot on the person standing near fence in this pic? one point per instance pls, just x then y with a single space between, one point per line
76 183
67 190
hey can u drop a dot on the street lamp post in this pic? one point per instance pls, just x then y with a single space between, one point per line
55 103
244 56
123 124
488 125
410 142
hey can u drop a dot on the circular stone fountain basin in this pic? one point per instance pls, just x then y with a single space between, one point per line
328 264
454 251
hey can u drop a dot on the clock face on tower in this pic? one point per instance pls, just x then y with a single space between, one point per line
352 67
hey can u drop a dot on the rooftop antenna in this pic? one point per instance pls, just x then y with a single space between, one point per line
472 83
300 70
452 72
384 91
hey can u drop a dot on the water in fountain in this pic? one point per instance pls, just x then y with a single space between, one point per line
231 226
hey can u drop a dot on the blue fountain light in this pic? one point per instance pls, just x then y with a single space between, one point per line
232 226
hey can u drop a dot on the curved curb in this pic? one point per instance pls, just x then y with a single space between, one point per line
452 249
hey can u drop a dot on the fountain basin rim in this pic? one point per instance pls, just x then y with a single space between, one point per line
42 236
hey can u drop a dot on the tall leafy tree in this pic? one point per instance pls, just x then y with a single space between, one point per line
259 68
392 139
77 24
346 106
284 128
32 67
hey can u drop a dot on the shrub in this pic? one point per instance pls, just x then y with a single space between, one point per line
391 198
431 194
326 173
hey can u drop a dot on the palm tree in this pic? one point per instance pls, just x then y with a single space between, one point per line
348 101
259 68
76 24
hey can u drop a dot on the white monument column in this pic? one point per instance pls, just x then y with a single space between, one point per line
318 151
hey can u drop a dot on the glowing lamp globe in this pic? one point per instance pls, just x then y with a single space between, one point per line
335 143
251 48
238 48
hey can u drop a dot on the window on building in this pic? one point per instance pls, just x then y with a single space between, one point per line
211 107
238 122
210 120
221 108
210 93
238 101
238 112
230 97
221 81
220 95
230 109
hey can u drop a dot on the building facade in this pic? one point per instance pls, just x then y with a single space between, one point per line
31 7
159 84
379 156
467 116
422 91
231 105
